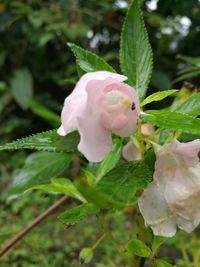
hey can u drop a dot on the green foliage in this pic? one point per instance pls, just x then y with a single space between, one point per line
33 48
172 120
157 96
191 71
191 106
61 185
44 112
110 161
46 141
79 213
163 263
88 61
21 86
138 247
135 50
39 167
123 182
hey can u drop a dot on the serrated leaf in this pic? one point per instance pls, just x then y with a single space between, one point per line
46 141
122 183
135 50
22 87
39 167
88 61
139 248
110 161
157 96
79 213
163 263
191 106
172 120
61 185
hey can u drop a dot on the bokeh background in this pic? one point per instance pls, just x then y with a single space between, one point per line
38 70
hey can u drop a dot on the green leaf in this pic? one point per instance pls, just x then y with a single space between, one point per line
122 182
110 161
187 76
22 87
61 185
44 112
46 141
135 51
172 120
88 61
163 263
157 96
94 195
191 106
192 60
79 213
137 247
39 168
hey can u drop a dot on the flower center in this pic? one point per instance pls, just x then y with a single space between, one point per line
115 97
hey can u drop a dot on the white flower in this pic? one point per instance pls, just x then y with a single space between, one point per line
173 198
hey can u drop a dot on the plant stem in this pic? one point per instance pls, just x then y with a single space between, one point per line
98 241
28 228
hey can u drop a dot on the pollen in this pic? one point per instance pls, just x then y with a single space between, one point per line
126 101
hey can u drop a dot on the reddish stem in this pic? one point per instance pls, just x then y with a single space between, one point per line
29 227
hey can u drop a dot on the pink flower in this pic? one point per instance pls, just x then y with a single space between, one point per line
99 105
173 198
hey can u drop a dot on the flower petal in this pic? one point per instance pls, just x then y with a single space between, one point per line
155 211
96 141
189 152
188 225
182 192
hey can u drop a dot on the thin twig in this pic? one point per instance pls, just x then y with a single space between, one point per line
27 229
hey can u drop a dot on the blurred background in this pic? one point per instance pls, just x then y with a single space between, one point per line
37 72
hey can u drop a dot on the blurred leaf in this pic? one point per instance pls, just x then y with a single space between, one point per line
21 86
157 242
3 86
122 182
135 51
191 106
45 38
172 120
46 141
139 248
39 168
192 60
110 161
163 263
61 185
187 76
44 112
79 213
158 96
88 61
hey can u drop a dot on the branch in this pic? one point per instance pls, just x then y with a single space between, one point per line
27 229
